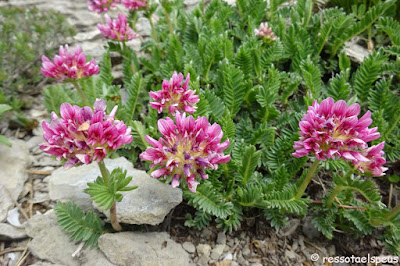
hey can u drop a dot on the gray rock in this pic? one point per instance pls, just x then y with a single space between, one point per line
246 251
34 142
189 247
203 249
50 243
290 254
221 238
134 248
217 251
13 163
309 229
9 232
290 227
143 26
203 260
148 204
6 204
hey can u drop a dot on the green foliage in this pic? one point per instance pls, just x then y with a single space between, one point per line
3 109
25 35
82 227
105 192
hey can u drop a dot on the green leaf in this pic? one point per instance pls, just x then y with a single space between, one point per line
359 219
134 87
4 108
250 160
105 69
4 141
312 77
82 227
209 200
368 73
105 194
139 132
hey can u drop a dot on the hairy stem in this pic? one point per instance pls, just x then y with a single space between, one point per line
104 172
336 191
153 30
83 97
113 217
393 212
307 180
113 210
168 18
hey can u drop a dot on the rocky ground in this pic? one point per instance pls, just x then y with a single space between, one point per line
31 182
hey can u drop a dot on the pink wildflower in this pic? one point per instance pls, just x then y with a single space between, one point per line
101 6
175 96
332 130
83 135
68 65
117 29
134 4
374 165
186 150
265 32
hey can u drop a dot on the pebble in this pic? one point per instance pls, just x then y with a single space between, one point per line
189 247
221 238
217 251
246 251
204 249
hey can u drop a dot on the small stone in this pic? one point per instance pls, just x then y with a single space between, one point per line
228 256
9 232
290 227
203 260
234 263
153 248
189 247
206 233
203 249
256 264
290 254
217 251
6 204
14 161
309 229
246 251
221 238
224 263
34 142
143 26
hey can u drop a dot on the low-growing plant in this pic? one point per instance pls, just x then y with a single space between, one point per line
254 81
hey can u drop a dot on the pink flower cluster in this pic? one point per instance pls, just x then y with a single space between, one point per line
83 135
134 4
68 65
175 96
117 29
333 130
101 6
186 150
265 32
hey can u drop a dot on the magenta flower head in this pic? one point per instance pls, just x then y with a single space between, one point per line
265 32
101 6
186 150
374 165
134 4
333 130
68 65
117 29
83 135
175 96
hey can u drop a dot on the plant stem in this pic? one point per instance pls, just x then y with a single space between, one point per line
83 97
338 189
113 217
168 18
393 212
113 210
385 135
307 180
104 172
153 30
